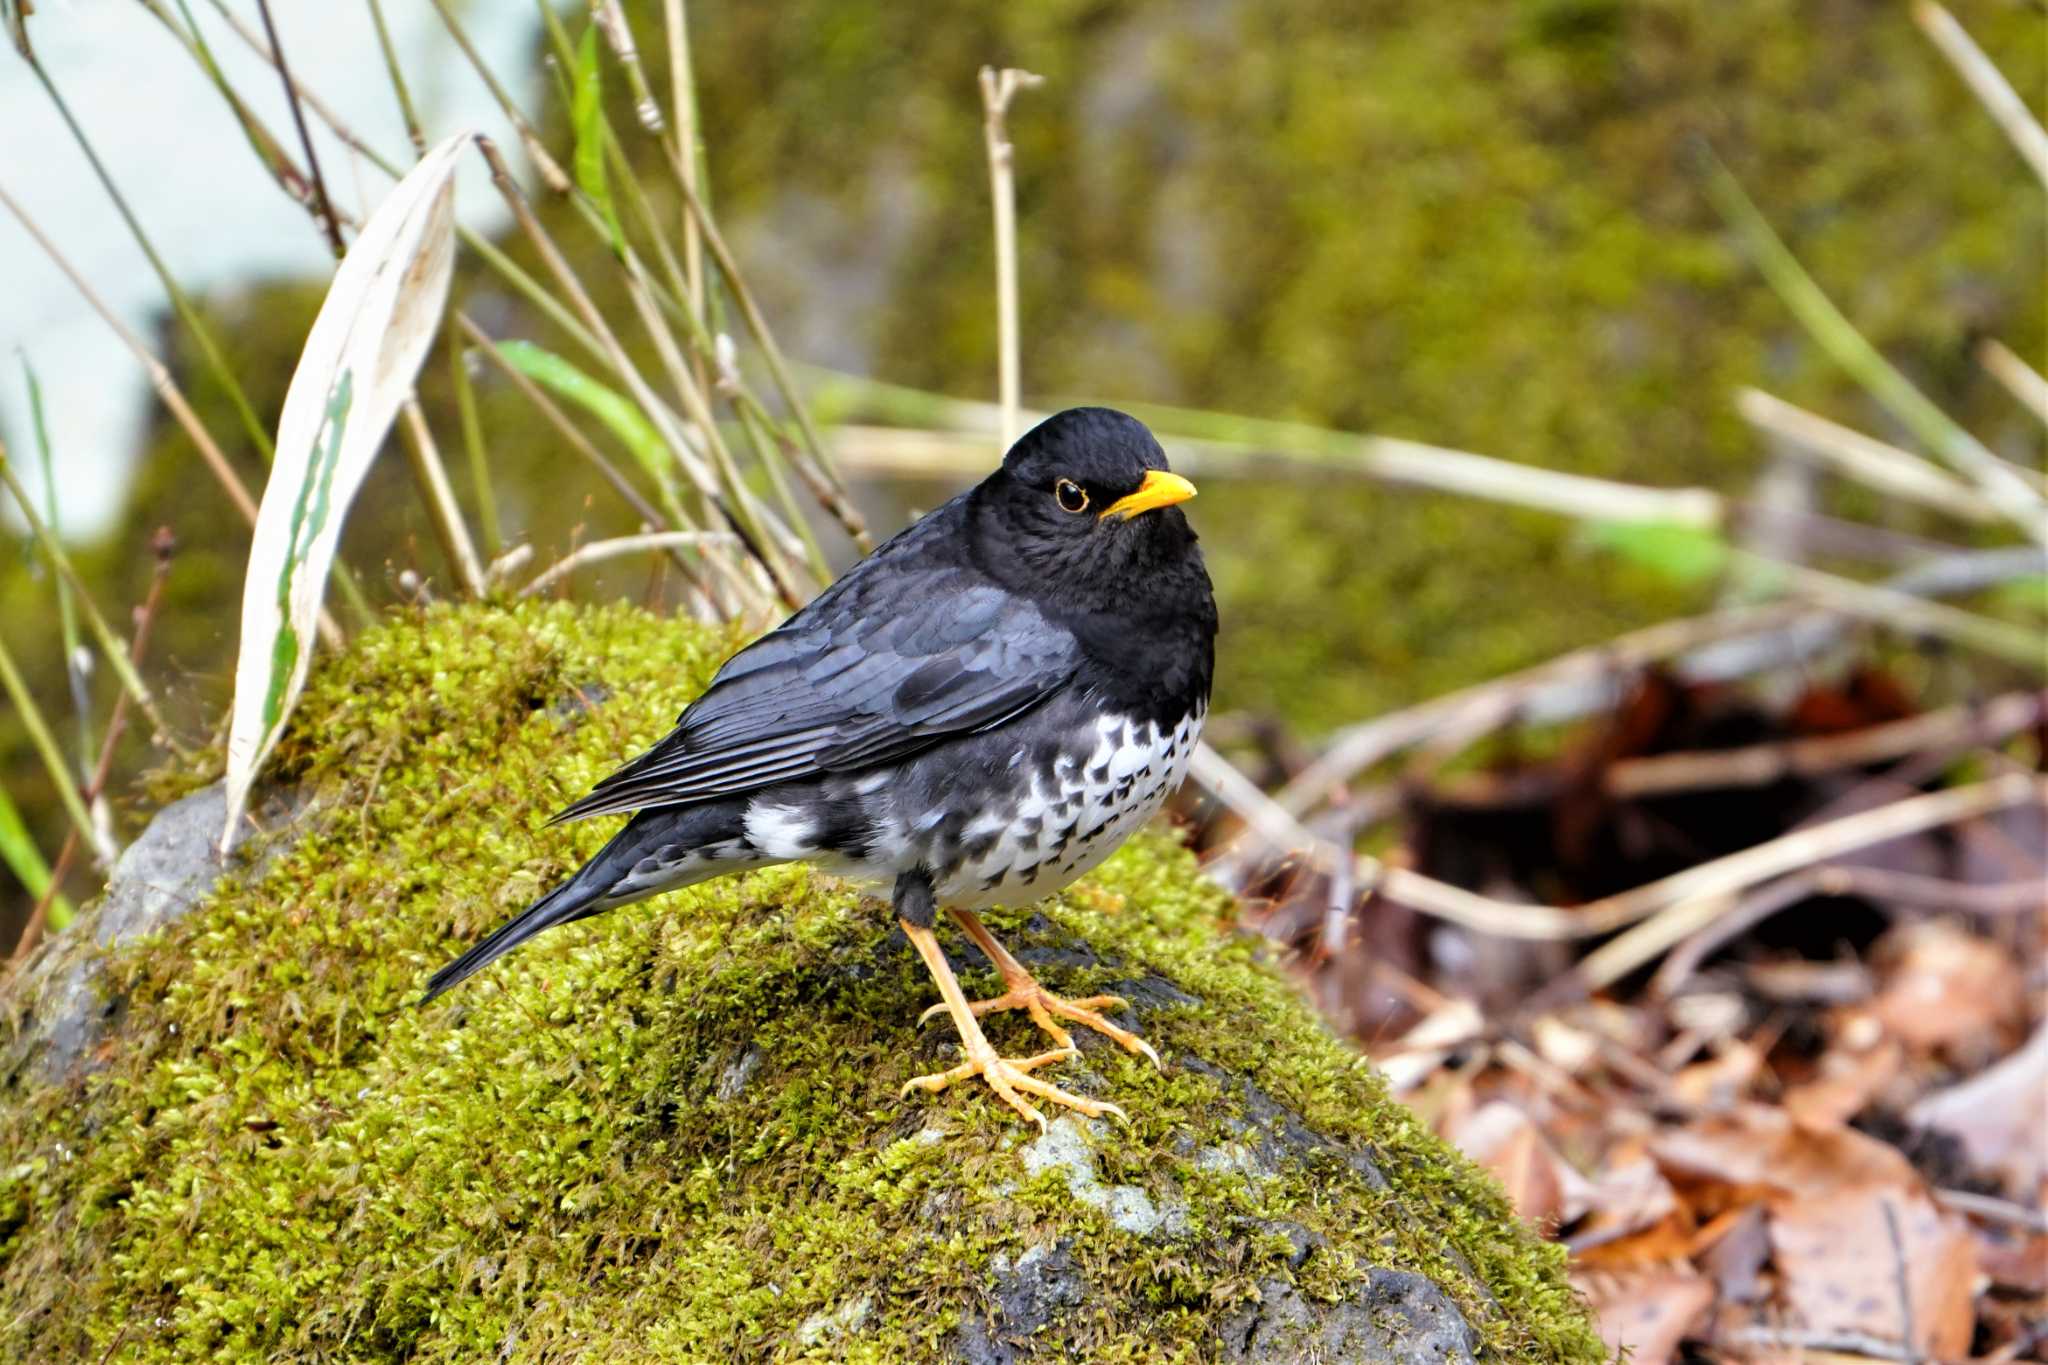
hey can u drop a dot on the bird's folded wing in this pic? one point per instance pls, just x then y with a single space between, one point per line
852 681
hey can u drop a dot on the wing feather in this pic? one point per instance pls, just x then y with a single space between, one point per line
880 667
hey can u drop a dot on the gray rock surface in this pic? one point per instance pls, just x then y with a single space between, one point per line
164 873
1391 1317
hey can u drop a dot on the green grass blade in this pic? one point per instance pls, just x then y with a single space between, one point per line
25 860
67 610
1864 363
606 404
586 115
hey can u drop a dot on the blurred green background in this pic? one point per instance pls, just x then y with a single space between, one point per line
1470 225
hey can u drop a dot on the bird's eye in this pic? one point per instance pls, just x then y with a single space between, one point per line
1070 495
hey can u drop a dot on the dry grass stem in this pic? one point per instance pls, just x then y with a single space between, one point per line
431 476
162 545
1761 764
998 88
1987 83
159 375
1559 689
1680 905
2020 378
550 171
599 550
1868 461
45 744
110 644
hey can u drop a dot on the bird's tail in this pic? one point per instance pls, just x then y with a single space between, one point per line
603 883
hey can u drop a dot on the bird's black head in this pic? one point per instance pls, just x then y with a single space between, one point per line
1082 518
1085 492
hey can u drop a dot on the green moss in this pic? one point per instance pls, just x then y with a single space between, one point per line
280 1159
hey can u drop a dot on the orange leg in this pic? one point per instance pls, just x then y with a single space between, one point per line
1004 1075
1023 992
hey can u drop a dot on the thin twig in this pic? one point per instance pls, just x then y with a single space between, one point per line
1993 1210
559 420
998 88
598 550
1850 349
1477 709
181 302
1205 442
1761 764
1712 648
778 367
1882 885
550 171
162 545
1818 1339
684 97
732 580
1989 85
16 689
471 425
396 74
324 205
110 644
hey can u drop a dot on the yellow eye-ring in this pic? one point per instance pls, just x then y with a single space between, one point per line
1070 495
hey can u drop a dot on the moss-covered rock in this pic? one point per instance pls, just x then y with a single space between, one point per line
675 1132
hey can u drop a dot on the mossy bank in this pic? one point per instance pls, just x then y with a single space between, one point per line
674 1132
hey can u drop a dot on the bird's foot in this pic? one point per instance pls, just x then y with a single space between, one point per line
1007 1076
1025 993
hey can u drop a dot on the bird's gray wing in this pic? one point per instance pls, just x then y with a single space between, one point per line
875 670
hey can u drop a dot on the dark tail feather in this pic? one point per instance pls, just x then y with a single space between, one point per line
555 907
586 893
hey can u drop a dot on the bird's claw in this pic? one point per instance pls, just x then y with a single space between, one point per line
1027 994
1006 1076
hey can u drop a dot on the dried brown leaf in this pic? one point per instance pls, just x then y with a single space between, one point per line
1634 1216
1501 1137
2000 1116
1839 1270
1646 1312
1848 1081
1949 991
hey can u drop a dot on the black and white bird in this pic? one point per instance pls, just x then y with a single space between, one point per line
976 714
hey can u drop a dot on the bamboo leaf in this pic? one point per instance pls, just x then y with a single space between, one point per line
607 405
379 320
586 115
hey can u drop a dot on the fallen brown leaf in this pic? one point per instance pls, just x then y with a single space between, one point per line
1648 1312
2000 1116
1948 991
1506 1141
1825 1190
1848 1081
1634 1216
1839 1270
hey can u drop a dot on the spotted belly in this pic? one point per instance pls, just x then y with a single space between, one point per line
995 823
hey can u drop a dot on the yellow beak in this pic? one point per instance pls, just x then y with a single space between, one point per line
1160 489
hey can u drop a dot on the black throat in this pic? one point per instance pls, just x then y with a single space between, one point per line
1138 599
